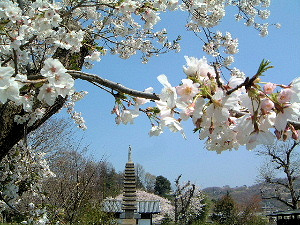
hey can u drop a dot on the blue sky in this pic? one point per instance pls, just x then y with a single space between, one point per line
169 154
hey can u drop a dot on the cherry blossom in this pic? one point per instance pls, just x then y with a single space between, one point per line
127 116
285 95
46 44
24 169
188 89
198 68
168 93
269 88
267 105
9 87
155 131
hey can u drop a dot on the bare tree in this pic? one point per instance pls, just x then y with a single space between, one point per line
80 182
149 182
69 191
140 176
54 135
282 158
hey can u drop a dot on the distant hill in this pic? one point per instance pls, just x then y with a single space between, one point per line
242 195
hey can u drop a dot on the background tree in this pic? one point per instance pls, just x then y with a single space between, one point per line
140 176
149 181
53 136
225 211
162 186
250 213
69 191
189 203
282 159
145 180
66 182
80 182
110 182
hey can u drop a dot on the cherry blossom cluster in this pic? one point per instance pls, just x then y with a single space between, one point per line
21 174
252 11
189 200
70 104
35 37
218 41
32 34
242 111
207 14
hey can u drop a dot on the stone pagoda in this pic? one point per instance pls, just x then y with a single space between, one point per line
129 210
129 192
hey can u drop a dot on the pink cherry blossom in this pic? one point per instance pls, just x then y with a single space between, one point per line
269 88
289 113
142 101
285 95
187 109
267 105
259 137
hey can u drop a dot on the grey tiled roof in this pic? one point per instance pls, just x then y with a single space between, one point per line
285 213
148 206
113 205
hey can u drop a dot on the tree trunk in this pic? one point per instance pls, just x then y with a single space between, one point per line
11 132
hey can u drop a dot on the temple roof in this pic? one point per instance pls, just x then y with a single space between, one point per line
143 207
285 213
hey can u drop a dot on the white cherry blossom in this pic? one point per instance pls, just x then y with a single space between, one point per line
198 68
168 93
188 89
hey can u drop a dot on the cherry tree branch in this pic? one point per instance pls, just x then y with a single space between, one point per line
110 84
279 199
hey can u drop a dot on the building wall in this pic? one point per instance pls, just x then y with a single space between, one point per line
144 222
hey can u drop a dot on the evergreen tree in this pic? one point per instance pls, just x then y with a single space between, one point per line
225 211
162 186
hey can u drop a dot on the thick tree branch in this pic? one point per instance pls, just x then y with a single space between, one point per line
281 157
110 84
269 181
279 199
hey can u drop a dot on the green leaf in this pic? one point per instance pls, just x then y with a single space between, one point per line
263 67
155 110
24 88
196 130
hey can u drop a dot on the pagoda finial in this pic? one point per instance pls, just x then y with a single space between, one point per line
129 154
